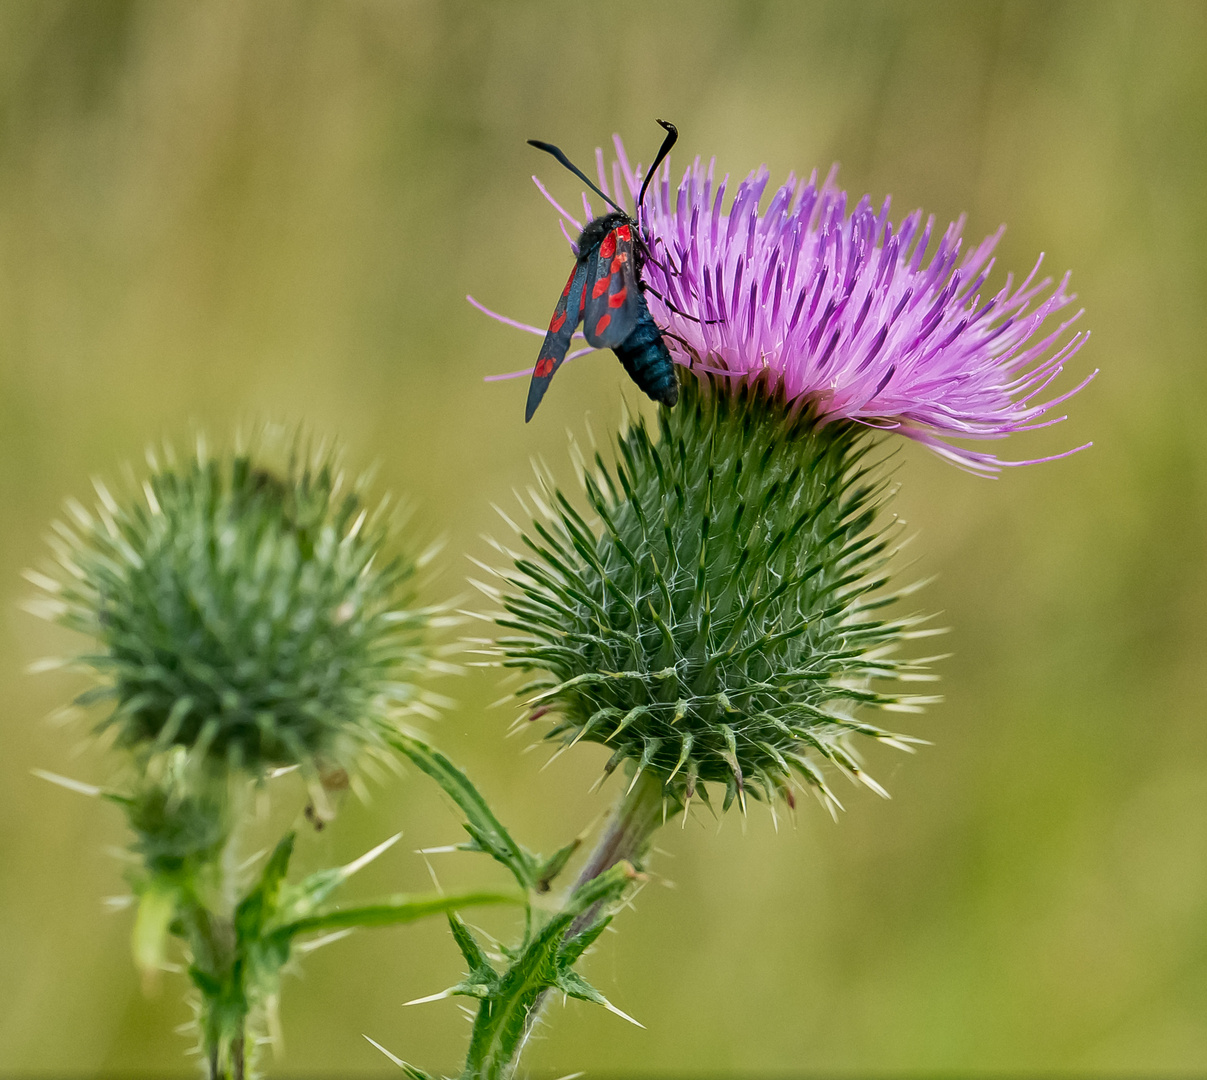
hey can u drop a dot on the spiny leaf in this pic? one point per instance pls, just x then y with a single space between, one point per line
412 1073
555 864
470 949
486 829
260 905
309 894
501 1020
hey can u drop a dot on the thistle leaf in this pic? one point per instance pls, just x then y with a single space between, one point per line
487 831
539 967
260 905
156 910
394 911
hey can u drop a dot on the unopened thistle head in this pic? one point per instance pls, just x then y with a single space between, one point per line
249 609
719 614
720 618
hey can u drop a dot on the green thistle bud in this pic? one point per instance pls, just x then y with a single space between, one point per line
178 826
246 611
721 620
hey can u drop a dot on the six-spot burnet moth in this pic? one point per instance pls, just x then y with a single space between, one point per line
606 294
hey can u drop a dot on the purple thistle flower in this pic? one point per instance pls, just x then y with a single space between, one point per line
845 313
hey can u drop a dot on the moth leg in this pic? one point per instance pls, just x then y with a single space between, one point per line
677 311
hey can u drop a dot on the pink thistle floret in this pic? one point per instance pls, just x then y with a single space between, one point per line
848 314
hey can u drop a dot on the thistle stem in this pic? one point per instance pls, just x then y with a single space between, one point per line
223 1011
495 1046
206 914
237 1058
628 834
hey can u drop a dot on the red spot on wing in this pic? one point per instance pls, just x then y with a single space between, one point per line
559 318
602 325
625 234
544 366
569 282
618 299
608 248
601 287
619 261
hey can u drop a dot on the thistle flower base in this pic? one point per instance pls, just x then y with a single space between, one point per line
720 622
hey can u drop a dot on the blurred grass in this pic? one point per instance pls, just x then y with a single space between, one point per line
215 212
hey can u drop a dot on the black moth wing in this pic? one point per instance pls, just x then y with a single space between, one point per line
613 296
566 316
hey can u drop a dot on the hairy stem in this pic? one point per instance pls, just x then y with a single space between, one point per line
206 914
627 835
211 941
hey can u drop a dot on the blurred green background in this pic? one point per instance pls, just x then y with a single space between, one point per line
216 212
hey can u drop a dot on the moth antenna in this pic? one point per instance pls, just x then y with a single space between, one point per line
672 136
549 148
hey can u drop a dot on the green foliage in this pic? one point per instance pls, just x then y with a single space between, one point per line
510 1000
720 619
236 966
249 617
486 831
247 608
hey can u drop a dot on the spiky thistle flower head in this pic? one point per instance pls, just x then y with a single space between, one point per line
249 609
843 311
722 618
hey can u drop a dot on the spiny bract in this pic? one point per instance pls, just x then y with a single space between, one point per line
720 621
246 609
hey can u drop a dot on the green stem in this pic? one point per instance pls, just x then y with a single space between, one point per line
208 886
223 1017
506 1019
237 1057
627 836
